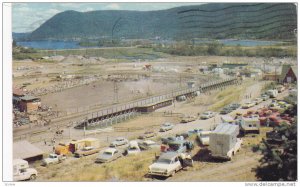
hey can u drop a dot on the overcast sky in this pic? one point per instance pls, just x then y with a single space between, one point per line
27 17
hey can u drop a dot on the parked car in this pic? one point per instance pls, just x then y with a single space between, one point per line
166 127
234 106
86 151
168 139
248 105
265 97
226 110
133 148
187 119
147 134
258 100
275 106
180 146
168 164
207 115
108 155
195 131
280 88
53 159
148 144
118 142
272 93
184 135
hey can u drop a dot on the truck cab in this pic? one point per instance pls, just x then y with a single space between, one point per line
53 159
21 171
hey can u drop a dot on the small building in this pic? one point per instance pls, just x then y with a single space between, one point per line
288 74
17 94
270 77
26 151
29 103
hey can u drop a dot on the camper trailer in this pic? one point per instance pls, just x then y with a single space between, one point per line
250 124
223 141
22 170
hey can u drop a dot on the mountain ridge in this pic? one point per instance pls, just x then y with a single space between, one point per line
212 20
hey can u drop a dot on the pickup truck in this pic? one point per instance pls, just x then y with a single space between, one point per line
21 171
86 151
168 164
53 159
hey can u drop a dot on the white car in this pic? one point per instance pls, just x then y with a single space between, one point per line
248 105
166 127
207 115
118 142
258 100
133 148
148 144
53 159
166 165
108 155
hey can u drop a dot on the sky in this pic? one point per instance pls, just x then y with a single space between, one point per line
26 17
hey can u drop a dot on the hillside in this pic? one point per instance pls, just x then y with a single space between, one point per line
214 20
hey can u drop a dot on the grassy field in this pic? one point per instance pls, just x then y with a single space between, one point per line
109 53
129 168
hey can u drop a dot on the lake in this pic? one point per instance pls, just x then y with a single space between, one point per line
75 45
50 44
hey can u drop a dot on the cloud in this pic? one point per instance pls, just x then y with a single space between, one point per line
113 6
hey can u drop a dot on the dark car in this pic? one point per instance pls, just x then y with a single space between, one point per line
225 110
234 106
184 135
168 140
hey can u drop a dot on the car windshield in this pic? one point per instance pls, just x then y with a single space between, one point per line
52 156
119 140
206 113
107 153
163 161
174 147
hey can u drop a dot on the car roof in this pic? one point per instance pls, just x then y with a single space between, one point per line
110 150
149 142
177 142
168 155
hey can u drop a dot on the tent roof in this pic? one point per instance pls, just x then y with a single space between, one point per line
24 149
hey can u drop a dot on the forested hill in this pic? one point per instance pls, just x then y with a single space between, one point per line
214 20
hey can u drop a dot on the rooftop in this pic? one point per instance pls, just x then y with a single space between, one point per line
24 149
28 98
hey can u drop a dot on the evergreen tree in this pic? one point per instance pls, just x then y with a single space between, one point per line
280 163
